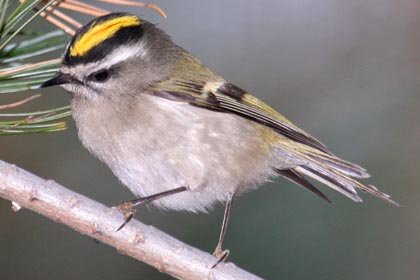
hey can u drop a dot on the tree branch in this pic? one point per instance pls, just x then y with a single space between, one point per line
142 242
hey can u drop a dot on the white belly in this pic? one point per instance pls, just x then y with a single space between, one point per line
176 144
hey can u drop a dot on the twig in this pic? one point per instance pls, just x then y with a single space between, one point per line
18 103
138 4
29 67
87 8
142 242
50 17
73 5
79 9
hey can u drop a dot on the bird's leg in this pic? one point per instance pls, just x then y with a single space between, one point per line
127 208
219 252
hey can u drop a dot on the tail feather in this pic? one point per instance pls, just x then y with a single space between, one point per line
330 181
346 167
333 172
342 183
297 178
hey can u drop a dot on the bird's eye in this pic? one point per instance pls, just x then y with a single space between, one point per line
100 76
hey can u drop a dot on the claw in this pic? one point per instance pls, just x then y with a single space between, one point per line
221 255
128 210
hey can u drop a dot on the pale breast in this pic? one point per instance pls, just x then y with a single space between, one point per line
160 144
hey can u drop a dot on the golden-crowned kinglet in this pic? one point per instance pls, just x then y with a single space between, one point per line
170 128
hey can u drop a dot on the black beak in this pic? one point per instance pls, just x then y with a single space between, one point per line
60 79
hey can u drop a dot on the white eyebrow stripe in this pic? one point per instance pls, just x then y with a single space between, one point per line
118 55
121 54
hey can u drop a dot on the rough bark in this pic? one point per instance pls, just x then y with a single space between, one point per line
142 242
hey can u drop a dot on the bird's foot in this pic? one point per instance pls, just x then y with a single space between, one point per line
220 254
128 210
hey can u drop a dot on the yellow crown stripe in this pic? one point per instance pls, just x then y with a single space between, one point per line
100 32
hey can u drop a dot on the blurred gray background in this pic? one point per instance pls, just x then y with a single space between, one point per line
345 71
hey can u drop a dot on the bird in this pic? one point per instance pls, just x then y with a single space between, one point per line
179 135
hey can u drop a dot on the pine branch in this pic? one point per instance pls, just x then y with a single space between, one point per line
142 242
